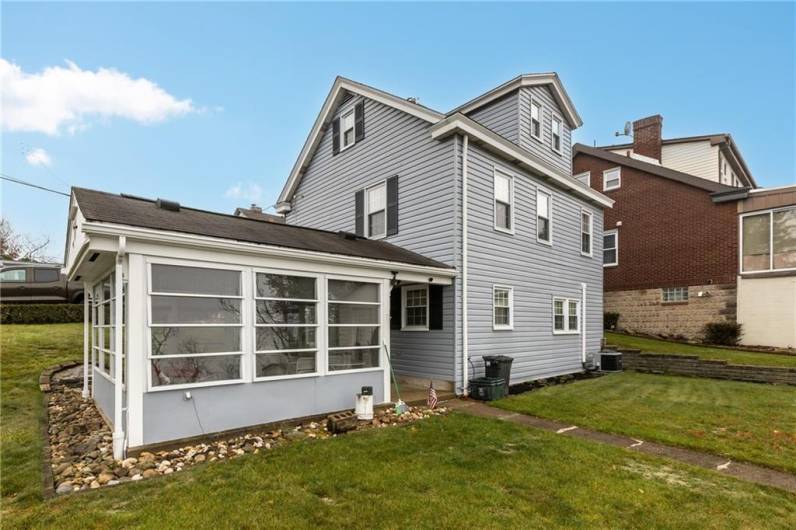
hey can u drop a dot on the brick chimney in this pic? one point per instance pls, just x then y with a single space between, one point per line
647 136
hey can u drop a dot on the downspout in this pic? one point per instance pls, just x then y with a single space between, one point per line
86 324
118 285
465 330
583 325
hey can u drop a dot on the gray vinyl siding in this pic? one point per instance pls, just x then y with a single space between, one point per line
395 143
543 149
502 116
536 272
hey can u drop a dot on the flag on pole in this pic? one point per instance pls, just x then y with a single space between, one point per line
431 401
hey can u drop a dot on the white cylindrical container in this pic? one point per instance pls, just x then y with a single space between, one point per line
364 407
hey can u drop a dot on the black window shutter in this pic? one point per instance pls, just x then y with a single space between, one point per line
392 205
359 121
359 213
434 307
395 308
336 136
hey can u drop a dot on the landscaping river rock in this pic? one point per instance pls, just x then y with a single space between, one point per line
81 444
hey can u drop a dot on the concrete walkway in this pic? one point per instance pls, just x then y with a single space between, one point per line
748 472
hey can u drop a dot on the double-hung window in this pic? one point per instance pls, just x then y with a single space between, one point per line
586 228
376 207
354 310
286 322
415 304
504 202
543 217
612 179
347 130
566 316
556 126
195 323
502 307
536 120
610 248
768 240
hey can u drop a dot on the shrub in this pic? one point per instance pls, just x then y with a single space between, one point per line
724 333
40 313
610 321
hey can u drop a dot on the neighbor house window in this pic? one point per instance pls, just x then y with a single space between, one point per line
610 248
543 211
586 232
354 311
584 178
556 126
286 325
502 307
376 207
566 315
103 324
415 303
195 325
612 179
768 240
674 294
536 120
504 202
347 130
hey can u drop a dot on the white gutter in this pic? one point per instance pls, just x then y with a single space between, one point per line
118 284
583 323
465 330
86 323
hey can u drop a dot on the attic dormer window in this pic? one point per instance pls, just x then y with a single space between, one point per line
536 120
349 128
555 133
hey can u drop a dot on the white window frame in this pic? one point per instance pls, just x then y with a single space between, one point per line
404 290
244 325
543 191
538 105
615 233
320 334
497 172
618 170
99 327
327 326
381 184
555 118
510 325
677 295
590 253
770 214
343 115
566 306
584 178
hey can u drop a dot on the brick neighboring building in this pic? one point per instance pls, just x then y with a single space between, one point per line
674 246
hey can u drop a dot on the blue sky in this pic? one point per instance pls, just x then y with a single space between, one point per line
256 75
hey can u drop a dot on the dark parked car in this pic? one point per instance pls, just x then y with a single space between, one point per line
37 283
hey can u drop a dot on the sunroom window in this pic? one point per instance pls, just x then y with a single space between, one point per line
286 322
195 325
354 309
103 325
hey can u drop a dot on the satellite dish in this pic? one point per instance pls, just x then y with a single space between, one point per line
628 128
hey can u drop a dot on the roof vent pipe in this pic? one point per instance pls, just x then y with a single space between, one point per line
171 206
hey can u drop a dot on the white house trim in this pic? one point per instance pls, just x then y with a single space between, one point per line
340 86
492 141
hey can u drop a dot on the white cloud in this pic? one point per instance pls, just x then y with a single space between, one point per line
68 97
38 157
245 190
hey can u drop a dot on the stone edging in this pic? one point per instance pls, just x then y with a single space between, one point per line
691 365
45 381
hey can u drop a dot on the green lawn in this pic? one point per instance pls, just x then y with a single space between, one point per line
743 421
445 472
704 352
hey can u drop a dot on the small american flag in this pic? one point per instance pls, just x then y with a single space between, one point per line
431 401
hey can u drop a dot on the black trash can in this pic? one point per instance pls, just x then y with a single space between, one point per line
499 366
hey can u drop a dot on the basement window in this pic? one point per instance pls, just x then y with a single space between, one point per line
674 294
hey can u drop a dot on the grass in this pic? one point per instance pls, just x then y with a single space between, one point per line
444 472
704 352
743 421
